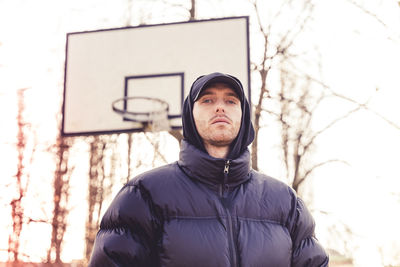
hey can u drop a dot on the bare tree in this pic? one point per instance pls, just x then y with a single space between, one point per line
61 193
293 101
298 103
391 35
154 140
192 10
130 143
96 175
100 184
272 53
18 216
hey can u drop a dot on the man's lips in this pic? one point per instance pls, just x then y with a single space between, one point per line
220 119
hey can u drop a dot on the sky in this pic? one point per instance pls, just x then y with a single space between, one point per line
361 59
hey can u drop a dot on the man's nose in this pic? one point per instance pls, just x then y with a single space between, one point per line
220 107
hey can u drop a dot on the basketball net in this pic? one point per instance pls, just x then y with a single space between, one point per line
158 121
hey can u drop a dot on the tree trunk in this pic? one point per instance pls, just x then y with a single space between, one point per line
96 191
192 10
60 199
17 209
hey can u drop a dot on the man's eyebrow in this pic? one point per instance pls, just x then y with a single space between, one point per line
233 94
205 92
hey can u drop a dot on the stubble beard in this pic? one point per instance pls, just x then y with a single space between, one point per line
220 139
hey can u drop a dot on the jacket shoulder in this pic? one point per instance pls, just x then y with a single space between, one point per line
155 175
158 181
273 188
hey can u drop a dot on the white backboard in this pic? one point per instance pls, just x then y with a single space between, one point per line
153 60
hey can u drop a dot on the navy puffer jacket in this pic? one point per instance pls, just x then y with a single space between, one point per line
204 211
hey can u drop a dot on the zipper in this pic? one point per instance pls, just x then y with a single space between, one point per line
223 190
226 167
223 185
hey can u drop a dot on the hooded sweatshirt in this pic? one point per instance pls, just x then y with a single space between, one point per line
205 211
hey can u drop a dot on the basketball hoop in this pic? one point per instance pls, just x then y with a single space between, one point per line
152 113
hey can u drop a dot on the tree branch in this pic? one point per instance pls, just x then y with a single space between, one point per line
177 134
282 49
360 105
155 147
311 141
297 183
369 13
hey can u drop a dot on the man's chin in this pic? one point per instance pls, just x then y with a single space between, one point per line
221 141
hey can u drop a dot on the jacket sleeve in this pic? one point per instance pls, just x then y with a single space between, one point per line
126 231
306 251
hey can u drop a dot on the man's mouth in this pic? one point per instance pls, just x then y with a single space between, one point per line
220 120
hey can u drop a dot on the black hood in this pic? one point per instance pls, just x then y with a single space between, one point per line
246 132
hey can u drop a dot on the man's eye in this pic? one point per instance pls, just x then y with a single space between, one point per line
232 102
206 100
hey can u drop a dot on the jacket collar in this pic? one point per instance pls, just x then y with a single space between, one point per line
207 169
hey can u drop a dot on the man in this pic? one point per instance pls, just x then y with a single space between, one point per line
209 208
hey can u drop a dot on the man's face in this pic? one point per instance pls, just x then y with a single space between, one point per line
217 114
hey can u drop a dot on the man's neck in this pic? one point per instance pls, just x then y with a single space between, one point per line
220 152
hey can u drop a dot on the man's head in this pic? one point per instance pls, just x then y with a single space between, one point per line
217 112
